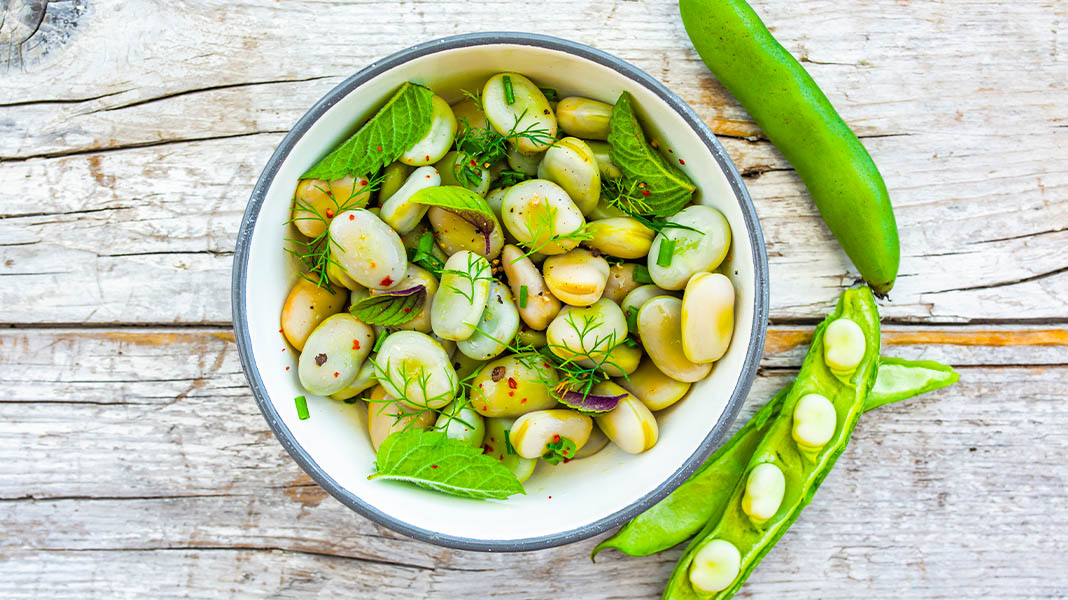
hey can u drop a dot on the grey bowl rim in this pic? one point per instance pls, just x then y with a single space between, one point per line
714 437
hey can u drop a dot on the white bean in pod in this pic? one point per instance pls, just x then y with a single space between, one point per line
415 369
629 425
660 329
691 252
497 326
707 317
334 353
369 250
523 109
540 215
398 211
437 141
461 296
570 164
577 278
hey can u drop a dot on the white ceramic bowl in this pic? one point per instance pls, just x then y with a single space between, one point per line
562 504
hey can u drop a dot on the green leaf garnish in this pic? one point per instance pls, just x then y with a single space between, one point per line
551 94
424 255
669 189
466 204
641 275
432 460
560 449
391 308
397 126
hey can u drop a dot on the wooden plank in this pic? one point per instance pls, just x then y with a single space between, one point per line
113 479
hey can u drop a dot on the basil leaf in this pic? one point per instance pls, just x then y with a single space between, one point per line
669 188
466 204
397 126
432 460
391 308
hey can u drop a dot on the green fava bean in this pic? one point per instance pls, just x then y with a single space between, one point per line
365 380
602 152
461 296
462 423
437 141
306 306
693 251
393 177
803 470
620 282
457 168
570 164
622 237
512 386
469 116
705 495
496 445
416 370
368 249
398 211
526 164
527 110
334 353
588 332
497 327
455 234
414 276
584 118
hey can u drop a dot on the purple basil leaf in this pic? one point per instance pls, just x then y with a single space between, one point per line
591 403
407 292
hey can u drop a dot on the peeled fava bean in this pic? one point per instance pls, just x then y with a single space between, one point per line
393 177
496 328
469 116
526 164
414 368
461 296
339 278
537 212
660 329
462 423
411 241
541 306
589 332
495 446
513 385
814 422
597 442
570 164
386 416
629 425
584 118
693 251
334 353
621 361
602 152
365 380
622 237
532 432
368 249
528 110
454 234
437 141
577 278
654 389
636 298
715 567
620 282
348 192
843 345
311 202
764 490
708 317
458 168
414 276
306 306
398 211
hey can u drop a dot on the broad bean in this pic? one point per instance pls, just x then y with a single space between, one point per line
660 329
496 446
334 353
461 296
513 385
577 278
694 251
306 306
497 326
655 390
539 214
629 425
589 332
416 370
398 211
571 164
460 422
584 118
454 234
620 282
541 306
532 432
385 416
368 249
416 275
622 237
438 139
528 110
708 317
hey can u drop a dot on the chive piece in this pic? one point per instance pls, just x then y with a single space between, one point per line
667 248
302 408
632 320
378 342
509 95
641 274
508 443
523 296
551 94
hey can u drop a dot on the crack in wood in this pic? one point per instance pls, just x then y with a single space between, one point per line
213 88
135 146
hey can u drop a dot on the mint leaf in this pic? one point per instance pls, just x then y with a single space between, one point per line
397 126
391 308
466 204
669 189
432 460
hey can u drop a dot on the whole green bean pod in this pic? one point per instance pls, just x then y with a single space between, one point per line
802 466
703 497
796 116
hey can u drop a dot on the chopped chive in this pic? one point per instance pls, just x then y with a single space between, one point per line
378 342
641 274
632 319
302 408
667 248
508 443
523 296
509 95
551 94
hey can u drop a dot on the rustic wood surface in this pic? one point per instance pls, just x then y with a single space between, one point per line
134 462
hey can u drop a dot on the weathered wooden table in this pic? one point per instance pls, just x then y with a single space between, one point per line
134 462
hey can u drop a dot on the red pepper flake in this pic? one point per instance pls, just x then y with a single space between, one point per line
511 393
386 281
336 374
280 331
363 182
283 349
329 213
380 147
556 438
352 217
484 407
407 310
523 401
474 163
428 176
433 466
550 497
487 449
512 383
320 359
564 453
682 162
670 151
427 158
355 344
646 192
287 368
